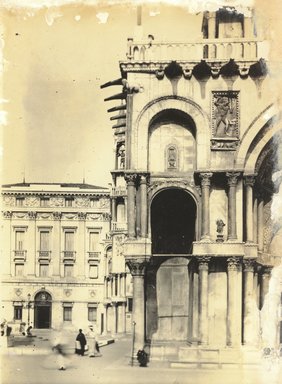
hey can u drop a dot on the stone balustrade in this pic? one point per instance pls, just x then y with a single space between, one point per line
118 191
209 49
117 226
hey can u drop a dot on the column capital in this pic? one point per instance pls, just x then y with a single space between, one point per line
249 265
32 215
205 178
130 178
137 266
203 262
266 269
57 215
233 263
249 180
143 178
232 178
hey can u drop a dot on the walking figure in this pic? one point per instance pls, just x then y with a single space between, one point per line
94 350
80 343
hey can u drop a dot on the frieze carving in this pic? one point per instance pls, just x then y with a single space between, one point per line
203 263
118 242
32 201
57 202
43 216
69 216
157 184
249 265
81 215
95 216
9 201
233 263
82 202
104 202
7 214
57 215
32 215
225 120
137 266
20 215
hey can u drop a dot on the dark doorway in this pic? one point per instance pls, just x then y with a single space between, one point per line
42 310
173 216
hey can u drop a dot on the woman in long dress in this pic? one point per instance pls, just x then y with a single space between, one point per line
92 342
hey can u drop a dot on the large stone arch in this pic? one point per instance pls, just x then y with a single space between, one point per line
192 109
253 156
265 117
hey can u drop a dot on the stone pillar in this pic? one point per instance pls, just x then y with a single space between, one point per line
232 325
260 223
249 182
121 317
203 299
57 249
106 319
137 268
265 278
205 184
255 220
248 300
115 318
131 190
232 183
118 285
143 203
114 209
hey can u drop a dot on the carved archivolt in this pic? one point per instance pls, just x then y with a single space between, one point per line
187 185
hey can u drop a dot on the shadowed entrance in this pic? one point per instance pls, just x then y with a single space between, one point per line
173 215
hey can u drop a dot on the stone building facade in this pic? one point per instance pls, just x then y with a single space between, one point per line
53 254
196 136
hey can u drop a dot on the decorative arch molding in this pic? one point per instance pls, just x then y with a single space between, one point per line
269 113
156 106
42 291
250 166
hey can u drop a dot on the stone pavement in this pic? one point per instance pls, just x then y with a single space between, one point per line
114 368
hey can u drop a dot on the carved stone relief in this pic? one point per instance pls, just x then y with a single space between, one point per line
57 201
225 120
32 201
104 202
82 202
9 201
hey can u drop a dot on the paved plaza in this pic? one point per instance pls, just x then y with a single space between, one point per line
38 365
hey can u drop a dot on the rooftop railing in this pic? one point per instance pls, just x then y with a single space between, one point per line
209 49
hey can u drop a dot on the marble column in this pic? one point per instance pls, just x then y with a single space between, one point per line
203 299
131 216
265 278
232 183
115 318
248 301
255 221
249 182
232 325
114 209
106 319
143 203
260 223
205 185
137 268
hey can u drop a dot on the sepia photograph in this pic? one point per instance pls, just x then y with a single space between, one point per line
141 197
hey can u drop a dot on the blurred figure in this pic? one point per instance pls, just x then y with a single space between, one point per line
94 349
22 328
28 331
81 343
61 341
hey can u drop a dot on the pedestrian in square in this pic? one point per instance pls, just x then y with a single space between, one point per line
92 342
81 339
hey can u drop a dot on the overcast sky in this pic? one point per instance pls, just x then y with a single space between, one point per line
55 59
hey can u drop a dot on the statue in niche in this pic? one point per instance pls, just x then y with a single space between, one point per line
225 116
171 158
121 154
219 229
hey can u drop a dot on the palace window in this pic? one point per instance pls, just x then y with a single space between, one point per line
68 270
67 313
18 312
93 271
129 304
92 312
69 241
19 240
19 269
43 270
93 241
44 240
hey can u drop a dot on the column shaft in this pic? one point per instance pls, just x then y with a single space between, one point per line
143 203
232 270
266 272
255 221
131 205
248 301
260 224
232 182
249 181
114 209
203 300
205 184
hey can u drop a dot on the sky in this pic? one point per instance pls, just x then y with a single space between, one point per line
55 57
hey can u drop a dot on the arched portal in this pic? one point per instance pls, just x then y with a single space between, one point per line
42 310
173 216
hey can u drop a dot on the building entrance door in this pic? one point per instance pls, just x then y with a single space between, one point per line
42 310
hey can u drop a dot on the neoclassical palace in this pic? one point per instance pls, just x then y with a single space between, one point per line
196 135
56 264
